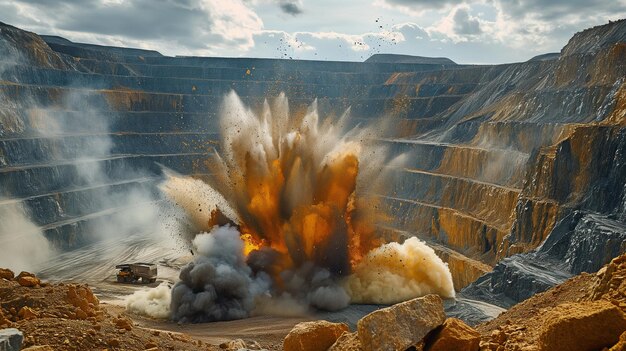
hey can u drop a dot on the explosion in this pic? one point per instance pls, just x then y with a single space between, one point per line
290 219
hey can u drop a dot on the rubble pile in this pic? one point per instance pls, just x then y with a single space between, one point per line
70 317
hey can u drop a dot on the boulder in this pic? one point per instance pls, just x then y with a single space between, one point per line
402 325
25 274
313 336
28 281
124 323
347 342
27 313
11 339
454 334
582 326
6 274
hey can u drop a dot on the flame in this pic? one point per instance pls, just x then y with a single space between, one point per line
250 244
293 183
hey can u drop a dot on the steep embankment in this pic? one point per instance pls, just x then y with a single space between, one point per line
522 326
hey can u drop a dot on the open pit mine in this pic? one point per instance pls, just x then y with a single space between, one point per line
401 203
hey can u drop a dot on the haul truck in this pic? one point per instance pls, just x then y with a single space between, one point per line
135 272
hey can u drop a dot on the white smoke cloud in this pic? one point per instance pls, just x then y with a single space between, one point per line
23 247
398 272
151 302
76 132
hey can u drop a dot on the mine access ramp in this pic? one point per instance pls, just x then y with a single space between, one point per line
137 273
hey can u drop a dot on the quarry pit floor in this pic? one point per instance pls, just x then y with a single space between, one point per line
94 265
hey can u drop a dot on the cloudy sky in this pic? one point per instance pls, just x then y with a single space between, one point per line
470 31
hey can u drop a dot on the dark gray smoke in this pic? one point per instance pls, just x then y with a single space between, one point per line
221 285
217 285
315 287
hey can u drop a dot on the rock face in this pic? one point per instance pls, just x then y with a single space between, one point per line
313 336
589 307
402 325
580 242
454 334
586 327
10 339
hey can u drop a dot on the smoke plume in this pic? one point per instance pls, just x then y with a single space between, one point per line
291 220
217 285
71 138
152 302
397 272
22 244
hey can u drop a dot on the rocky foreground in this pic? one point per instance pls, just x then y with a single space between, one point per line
69 317
586 312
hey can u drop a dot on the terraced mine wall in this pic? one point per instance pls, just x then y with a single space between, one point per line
500 158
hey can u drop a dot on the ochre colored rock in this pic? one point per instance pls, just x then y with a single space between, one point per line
233 345
28 281
582 326
113 342
454 334
6 274
347 342
402 325
27 313
150 345
3 320
80 314
39 348
621 344
83 298
313 336
123 323
26 274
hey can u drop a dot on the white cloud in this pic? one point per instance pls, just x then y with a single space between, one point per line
205 27
469 31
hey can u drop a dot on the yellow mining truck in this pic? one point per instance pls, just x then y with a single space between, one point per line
136 273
